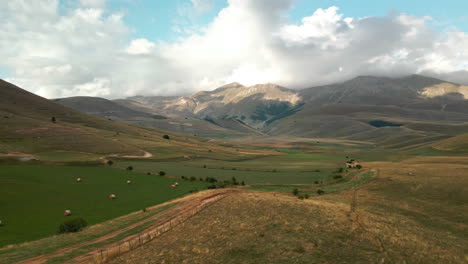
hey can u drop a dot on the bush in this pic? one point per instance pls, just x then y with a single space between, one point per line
204 166
166 137
320 191
316 182
110 162
337 177
53 119
301 197
295 191
193 178
162 173
129 168
72 225
243 183
306 196
212 186
358 166
148 173
339 170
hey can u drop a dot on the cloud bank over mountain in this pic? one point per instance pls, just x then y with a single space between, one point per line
59 50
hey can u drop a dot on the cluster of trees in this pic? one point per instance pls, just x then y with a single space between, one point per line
296 192
226 183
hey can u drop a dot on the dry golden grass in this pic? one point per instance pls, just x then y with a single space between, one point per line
412 212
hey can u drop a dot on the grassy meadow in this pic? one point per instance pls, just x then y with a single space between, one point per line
34 197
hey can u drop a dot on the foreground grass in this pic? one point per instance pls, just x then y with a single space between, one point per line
51 244
33 197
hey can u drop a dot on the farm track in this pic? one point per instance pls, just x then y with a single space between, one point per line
180 212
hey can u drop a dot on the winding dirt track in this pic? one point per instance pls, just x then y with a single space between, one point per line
184 211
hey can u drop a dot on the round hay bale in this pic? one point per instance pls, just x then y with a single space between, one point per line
128 181
67 213
112 196
176 183
172 186
78 179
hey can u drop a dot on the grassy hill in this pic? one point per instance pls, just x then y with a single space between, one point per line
28 128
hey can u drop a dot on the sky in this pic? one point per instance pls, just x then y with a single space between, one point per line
121 48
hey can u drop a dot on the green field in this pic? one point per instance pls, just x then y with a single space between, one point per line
242 171
34 197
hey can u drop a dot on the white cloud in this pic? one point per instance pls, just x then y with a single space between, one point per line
140 46
87 50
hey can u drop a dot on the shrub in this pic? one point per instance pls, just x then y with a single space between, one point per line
320 191
359 166
162 173
193 191
301 197
183 177
204 166
129 168
339 170
53 119
234 181
166 137
306 196
148 173
193 178
110 162
316 182
243 183
72 225
212 186
337 177
295 191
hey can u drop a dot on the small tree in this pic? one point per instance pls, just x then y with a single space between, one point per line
162 173
204 166
359 166
306 196
166 137
243 183
130 168
295 192
53 119
193 178
320 191
72 225
110 162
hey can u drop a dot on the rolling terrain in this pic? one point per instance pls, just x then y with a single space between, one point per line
283 191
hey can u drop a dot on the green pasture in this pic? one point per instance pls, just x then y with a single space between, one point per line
227 170
34 197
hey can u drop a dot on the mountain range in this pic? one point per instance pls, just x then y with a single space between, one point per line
412 109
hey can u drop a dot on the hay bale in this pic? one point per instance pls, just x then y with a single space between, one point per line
128 181
112 196
78 179
67 213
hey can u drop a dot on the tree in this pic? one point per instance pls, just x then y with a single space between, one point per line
320 191
295 191
166 137
72 225
359 166
243 183
193 178
53 119
130 168
110 162
162 173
